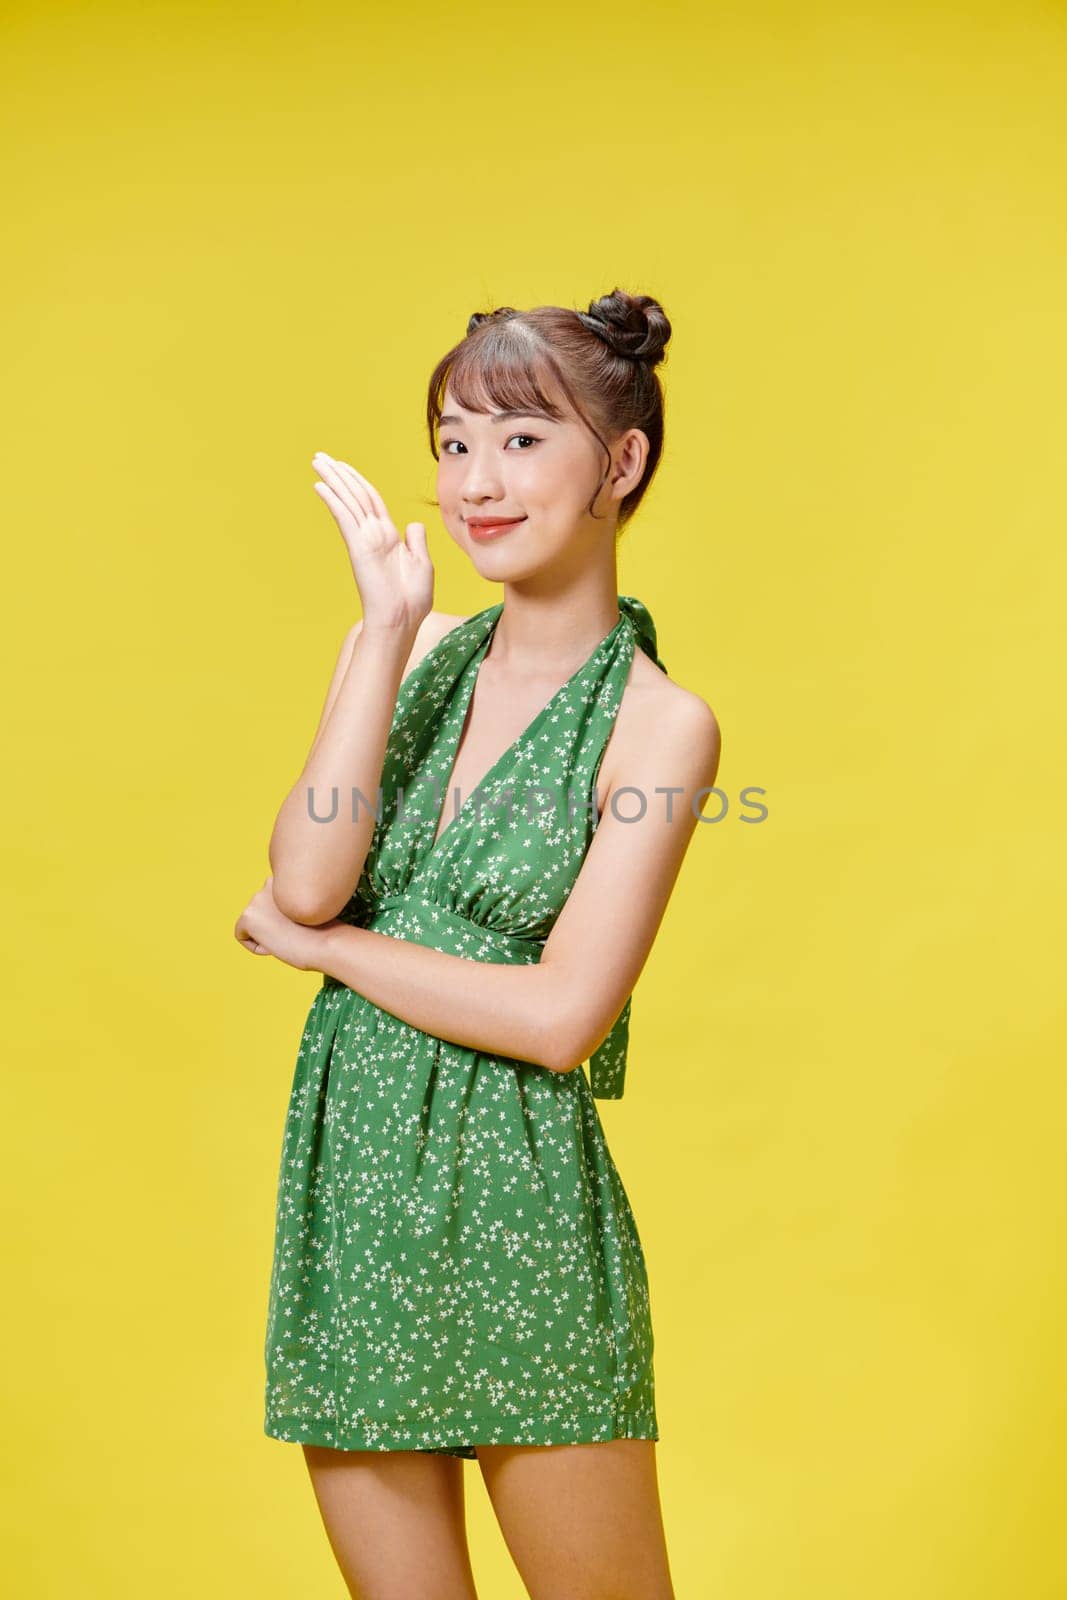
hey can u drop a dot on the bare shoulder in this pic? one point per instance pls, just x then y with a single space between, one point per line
663 724
435 624
432 629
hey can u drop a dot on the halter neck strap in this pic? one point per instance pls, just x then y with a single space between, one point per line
644 626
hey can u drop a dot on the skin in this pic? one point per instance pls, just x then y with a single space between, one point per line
582 1522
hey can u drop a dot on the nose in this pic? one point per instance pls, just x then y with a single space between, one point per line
482 479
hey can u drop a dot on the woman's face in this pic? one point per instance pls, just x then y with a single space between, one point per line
531 467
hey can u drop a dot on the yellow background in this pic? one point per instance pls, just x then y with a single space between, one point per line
237 235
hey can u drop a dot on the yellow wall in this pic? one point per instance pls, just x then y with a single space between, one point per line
235 236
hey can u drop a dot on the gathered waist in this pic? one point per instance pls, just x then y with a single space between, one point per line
417 920
412 917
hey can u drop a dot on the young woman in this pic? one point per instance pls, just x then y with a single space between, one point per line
457 1270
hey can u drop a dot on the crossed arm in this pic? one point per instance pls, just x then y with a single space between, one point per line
557 1012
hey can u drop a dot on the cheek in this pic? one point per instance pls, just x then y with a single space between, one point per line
565 474
447 487
542 479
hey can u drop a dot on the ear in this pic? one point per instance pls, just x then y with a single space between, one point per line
630 455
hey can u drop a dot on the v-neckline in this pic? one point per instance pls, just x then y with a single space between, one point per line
473 668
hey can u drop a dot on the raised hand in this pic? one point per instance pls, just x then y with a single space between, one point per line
394 576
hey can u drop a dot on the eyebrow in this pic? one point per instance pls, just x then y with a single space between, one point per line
498 416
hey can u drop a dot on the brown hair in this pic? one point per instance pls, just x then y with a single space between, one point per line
602 359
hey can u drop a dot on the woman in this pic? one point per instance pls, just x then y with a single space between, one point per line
457 1270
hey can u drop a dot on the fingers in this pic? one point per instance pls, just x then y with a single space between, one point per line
359 482
416 540
241 931
351 485
351 495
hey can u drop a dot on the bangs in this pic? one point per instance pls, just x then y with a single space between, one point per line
499 373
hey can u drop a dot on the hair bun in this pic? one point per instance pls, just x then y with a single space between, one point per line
478 317
634 325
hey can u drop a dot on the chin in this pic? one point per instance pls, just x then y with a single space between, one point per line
498 564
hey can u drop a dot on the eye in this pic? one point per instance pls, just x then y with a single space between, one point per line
446 444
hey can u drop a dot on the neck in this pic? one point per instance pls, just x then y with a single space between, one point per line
549 630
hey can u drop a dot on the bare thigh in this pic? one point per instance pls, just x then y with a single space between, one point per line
582 1521
395 1522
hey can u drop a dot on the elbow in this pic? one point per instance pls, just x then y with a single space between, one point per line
567 1030
562 1062
576 1039
569 1063
308 890
309 910
563 1044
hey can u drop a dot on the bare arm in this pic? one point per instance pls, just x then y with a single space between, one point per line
557 1012
316 864
605 932
486 1006
343 659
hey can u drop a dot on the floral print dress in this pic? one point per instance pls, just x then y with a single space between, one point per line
456 1261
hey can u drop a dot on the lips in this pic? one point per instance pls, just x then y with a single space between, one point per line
484 529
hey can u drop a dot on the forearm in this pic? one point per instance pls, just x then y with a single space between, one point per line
520 1011
316 864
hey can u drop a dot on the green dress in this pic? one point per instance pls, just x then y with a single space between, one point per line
456 1261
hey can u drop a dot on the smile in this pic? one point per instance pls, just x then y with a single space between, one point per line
483 531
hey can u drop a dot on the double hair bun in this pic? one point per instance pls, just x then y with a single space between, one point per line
634 326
